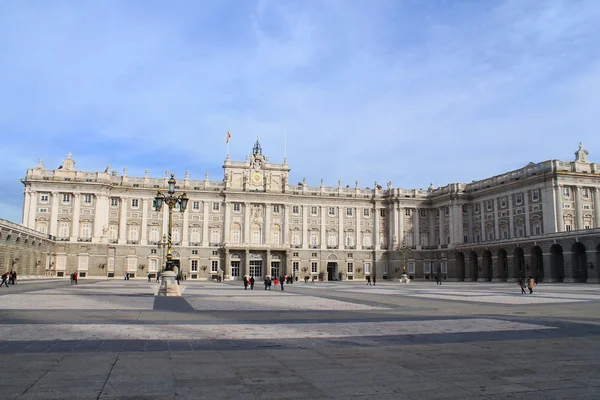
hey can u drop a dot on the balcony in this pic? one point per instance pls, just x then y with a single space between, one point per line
331 247
350 247
113 240
296 246
84 239
133 242
196 244
367 247
63 239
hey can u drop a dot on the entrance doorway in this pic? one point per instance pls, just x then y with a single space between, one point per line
256 268
275 268
332 273
235 270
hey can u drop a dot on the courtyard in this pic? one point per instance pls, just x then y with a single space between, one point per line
112 339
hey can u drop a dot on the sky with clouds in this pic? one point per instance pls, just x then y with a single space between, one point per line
408 91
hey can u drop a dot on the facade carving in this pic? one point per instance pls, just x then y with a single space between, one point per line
254 222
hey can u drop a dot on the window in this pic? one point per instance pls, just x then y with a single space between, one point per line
489 204
568 227
331 238
236 207
215 235
276 236
295 238
152 267
63 230
114 202
519 198
44 198
314 238
585 193
66 198
176 235
349 255
214 266
85 230
134 231
113 232
215 253
154 234
587 227
349 212
503 202
135 203
195 235
313 255
295 254
411 267
350 268
194 266
367 239
236 236
215 206
152 251
195 205
385 268
444 267
366 212
295 267
314 267
427 267
295 210
87 199
367 268
535 195
423 213
464 208
407 212
194 252
382 213
331 211
45 210
538 230
566 192
349 239
447 210
83 263
313 210
42 228
276 208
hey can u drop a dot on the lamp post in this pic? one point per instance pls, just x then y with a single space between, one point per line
403 248
168 285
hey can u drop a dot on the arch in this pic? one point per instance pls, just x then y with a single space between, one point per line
487 272
332 257
502 265
536 269
473 267
557 264
460 265
518 268
579 262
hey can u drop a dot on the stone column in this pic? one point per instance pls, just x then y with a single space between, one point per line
511 222
246 266
441 227
460 229
416 230
597 208
400 222
247 210
359 212
470 238
144 227
578 212
101 217
560 226
76 212
452 221
227 268
392 225
26 207
527 222
268 261
123 221
267 238
431 219
286 225
31 207
482 218
185 236
340 227
227 222
376 228
305 227
496 220
323 227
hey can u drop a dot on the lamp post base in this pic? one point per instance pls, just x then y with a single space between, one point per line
168 284
404 279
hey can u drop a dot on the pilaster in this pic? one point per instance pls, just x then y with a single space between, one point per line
247 211
527 221
123 221
144 227
305 227
496 222
340 227
267 238
76 212
597 207
416 230
511 222
578 211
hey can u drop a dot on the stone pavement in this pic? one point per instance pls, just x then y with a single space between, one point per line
335 340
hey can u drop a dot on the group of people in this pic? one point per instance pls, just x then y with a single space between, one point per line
528 283
74 277
9 277
274 281
369 280
248 282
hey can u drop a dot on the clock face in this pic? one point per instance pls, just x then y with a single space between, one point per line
256 178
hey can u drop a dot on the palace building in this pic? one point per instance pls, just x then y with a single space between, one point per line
542 220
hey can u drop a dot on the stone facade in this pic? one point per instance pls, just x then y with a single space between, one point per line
255 222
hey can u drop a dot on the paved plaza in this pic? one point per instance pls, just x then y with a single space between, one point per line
113 339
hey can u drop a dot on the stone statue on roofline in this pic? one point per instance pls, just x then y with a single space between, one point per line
581 154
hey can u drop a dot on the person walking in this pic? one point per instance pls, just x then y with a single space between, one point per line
4 279
149 277
245 282
521 282
530 284
281 281
374 280
266 282
75 278
14 277
252 283
369 280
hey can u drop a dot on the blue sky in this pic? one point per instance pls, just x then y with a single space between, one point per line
410 91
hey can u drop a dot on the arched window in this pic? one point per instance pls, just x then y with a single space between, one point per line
63 230
85 230
256 234
235 233
367 239
134 233
276 234
295 237
331 238
314 238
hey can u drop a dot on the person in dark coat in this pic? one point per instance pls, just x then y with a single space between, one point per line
281 281
4 279
245 283
251 283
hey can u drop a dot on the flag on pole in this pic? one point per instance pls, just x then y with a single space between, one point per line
228 137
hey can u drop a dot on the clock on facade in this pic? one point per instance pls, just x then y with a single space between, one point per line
257 178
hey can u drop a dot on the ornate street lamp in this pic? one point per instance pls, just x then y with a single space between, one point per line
171 200
403 248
